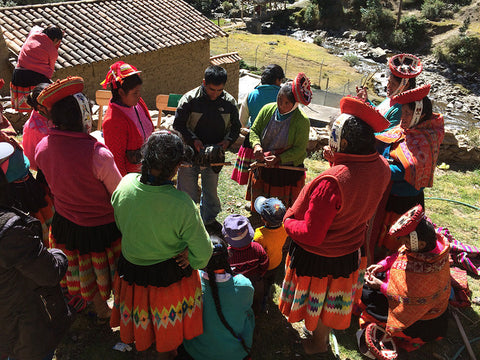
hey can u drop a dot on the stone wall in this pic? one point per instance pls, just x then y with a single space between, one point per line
233 71
5 68
174 70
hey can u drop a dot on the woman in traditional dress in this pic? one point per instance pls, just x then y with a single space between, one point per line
327 224
35 65
279 136
158 301
82 175
407 292
412 149
263 94
402 72
127 123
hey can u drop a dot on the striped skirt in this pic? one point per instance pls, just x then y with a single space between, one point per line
312 292
161 315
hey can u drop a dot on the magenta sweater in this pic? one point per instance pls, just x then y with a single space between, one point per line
67 161
38 53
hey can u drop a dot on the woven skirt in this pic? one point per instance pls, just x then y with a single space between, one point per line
319 288
165 313
280 183
92 254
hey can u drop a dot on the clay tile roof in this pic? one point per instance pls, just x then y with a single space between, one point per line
98 30
229 58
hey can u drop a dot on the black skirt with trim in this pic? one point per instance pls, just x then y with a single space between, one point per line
306 263
85 239
161 274
279 177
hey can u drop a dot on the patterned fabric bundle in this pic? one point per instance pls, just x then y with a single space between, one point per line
417 149
19 95
426 295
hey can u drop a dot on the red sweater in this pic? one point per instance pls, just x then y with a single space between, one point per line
329 216
66 160
121 134
38 53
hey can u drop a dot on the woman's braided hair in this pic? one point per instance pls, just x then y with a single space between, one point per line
219 261
163 152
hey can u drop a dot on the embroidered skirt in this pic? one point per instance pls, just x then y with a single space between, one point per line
165 313
92 254
281 183
319 288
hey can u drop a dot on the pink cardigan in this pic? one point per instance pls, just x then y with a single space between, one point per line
38 53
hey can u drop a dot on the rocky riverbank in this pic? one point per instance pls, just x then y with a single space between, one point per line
455 92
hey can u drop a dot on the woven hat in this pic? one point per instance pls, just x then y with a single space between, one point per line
405 66
59 90
271 210
237 231
407 222
412 95
356 107
301 89
117 73
379 343
6 149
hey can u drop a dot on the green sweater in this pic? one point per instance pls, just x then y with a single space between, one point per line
297 134
158 222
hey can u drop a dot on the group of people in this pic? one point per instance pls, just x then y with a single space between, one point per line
183 282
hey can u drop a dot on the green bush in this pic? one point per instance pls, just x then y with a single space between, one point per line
378 22
434 9
307 18
227 6
463 51
352 59
410 35
318 40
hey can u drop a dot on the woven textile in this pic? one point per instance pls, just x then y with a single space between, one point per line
161 315
19 95
91 272
311 299
242 164
417 149
419 287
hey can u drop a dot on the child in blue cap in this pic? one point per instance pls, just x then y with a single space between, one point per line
272 237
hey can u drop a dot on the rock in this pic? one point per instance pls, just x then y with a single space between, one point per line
360 36
272 43
378 54
17 119
347 34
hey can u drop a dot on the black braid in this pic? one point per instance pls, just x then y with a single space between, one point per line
218 307
219 261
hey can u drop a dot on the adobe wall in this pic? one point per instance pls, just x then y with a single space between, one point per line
233 71
175 69
5 68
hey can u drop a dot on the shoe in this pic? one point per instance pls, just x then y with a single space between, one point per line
214 228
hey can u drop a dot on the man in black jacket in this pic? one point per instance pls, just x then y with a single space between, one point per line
206 115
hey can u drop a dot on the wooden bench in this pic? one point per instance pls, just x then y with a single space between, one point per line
102 98
167 102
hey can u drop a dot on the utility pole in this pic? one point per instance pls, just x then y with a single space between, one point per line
399 14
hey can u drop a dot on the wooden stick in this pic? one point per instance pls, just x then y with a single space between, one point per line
213 164
296 168
462 333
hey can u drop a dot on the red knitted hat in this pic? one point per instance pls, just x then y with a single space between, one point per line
413 95
301 89
356 107
407 222
405 66
60 89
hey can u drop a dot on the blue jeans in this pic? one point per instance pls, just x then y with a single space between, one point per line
187 181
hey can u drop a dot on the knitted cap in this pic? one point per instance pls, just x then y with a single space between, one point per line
237 231
271 210
407 222
405 66
59 90
356 107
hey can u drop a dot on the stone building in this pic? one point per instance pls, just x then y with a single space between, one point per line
168 40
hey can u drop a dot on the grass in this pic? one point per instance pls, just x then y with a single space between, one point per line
302 57
275 338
